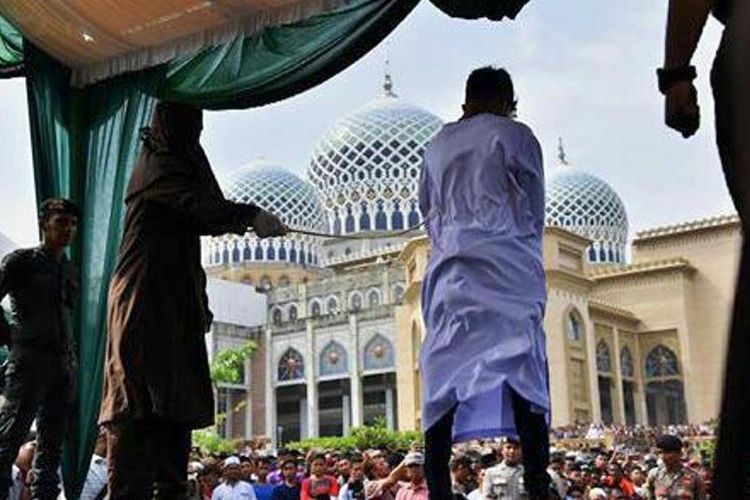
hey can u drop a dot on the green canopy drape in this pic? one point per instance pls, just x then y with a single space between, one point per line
11 50
85 142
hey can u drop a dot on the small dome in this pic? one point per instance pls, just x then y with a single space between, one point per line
366 167
584 204
282 193
278 191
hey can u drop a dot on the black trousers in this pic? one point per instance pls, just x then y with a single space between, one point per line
39 383
147 458
532 432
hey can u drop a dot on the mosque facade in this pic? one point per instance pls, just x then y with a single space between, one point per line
635 332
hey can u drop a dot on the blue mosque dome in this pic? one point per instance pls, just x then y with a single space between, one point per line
580 202
366 167
282 193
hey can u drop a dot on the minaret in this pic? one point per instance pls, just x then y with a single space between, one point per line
388 82
562 159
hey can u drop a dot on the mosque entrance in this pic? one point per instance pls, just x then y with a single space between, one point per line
379 399
334 407
291 413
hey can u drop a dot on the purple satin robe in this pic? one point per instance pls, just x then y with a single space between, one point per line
483 295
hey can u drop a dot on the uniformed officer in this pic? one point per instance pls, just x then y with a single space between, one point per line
505 480
43 288
671 480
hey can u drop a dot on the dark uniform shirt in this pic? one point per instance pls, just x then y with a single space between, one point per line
683 484
723 9
43 294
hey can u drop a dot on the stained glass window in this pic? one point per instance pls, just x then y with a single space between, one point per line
603 359
379 353
333 359
291 366
661 362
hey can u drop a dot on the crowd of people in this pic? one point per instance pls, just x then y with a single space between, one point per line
631 467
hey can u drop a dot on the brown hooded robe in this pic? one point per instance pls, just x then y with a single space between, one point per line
156 361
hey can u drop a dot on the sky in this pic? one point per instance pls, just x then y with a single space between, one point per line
583 71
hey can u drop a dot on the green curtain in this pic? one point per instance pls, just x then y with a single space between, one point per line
283 61
495 10
11 50
84 147
85 142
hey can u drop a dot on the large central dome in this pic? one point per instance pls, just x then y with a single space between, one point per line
583 203
366 167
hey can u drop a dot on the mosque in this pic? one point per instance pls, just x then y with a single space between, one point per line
635 332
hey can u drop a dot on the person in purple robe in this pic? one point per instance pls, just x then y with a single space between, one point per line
483 361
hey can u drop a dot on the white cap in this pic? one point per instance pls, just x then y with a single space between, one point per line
231 461
414 458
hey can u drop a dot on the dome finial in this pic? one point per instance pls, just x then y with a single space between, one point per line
561 152
388 82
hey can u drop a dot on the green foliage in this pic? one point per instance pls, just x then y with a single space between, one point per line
363 438
228 364
210 442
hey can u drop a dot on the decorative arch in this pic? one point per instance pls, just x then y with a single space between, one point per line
277 316
398 293
603 358
379 353
574 328
333 359
661 361
292 312
373 298
291 366
315 308
355 301
332 304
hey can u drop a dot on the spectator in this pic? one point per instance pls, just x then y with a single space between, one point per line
464 480
290 488
263 490
319 485
504 481
95 486
416 488
344 468
354 488
382 482
232 488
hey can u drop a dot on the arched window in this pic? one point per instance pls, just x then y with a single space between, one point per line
413 216
225 256
604 367
355 301
332 305
592 254
661 362
310 256
398 293
349 220
282 252
574 326
336 222
628 385
333 359
603 358
302 255
292 313
236 254
602 255
373 298
247 254
271 252
364 218
397 218
258 252
379 353
626 363
293 254
217 257
665 393
315 309
291 366
276 316
381 220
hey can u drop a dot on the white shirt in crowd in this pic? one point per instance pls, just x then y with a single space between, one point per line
16 488
96 479
240 491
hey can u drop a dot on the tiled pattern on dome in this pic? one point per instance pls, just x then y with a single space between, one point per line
366 168
586 205
283 194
